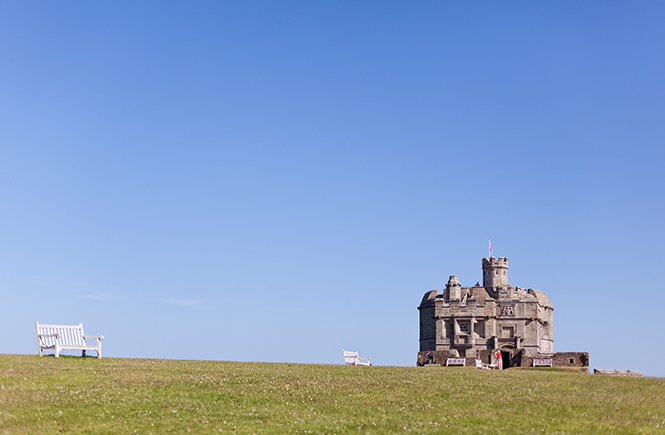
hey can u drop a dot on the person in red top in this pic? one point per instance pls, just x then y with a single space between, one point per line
499 361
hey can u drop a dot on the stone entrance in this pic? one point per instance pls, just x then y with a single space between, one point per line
505 359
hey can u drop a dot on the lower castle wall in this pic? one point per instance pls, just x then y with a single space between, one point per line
517 359
562 359
571 359
440 356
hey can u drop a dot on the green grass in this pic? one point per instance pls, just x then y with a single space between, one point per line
125 396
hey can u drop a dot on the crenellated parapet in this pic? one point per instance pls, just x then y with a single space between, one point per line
495 262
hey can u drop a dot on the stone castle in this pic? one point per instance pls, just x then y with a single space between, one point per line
475 322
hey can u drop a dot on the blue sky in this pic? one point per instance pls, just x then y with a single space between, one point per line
276 182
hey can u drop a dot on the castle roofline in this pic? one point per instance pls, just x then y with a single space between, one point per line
542 298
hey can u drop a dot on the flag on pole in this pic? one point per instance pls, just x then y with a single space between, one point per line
490 242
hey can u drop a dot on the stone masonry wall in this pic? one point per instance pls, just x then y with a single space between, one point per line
571 359
440 357
563 359
517 358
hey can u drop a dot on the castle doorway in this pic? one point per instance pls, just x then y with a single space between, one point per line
505 359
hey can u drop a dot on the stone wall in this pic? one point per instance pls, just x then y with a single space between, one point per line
562 359
440 357
485 356
615 372
571 359
517 358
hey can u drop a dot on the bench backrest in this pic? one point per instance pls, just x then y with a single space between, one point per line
70 335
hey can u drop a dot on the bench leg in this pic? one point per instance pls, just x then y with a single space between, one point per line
83 353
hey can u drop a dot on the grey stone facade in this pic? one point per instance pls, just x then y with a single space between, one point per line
469 321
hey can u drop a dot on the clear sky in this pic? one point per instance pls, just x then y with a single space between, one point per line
276 181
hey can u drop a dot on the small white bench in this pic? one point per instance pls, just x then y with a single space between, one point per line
481 365
352 359
455 361
542 362
66 337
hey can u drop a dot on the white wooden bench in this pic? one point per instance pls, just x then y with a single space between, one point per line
455 361
66 337
542 362
352 359
481 365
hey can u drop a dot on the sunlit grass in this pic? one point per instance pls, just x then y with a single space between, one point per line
112 395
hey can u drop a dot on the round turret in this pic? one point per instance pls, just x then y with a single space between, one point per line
495 272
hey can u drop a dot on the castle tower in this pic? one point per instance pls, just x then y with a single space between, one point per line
495 272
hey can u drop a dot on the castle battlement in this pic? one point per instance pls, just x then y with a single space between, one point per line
495 262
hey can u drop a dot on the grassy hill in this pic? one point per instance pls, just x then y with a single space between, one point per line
144 396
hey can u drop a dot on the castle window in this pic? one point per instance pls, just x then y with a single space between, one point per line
496 272
504 272
464 327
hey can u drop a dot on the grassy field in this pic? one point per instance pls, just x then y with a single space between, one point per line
144 396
